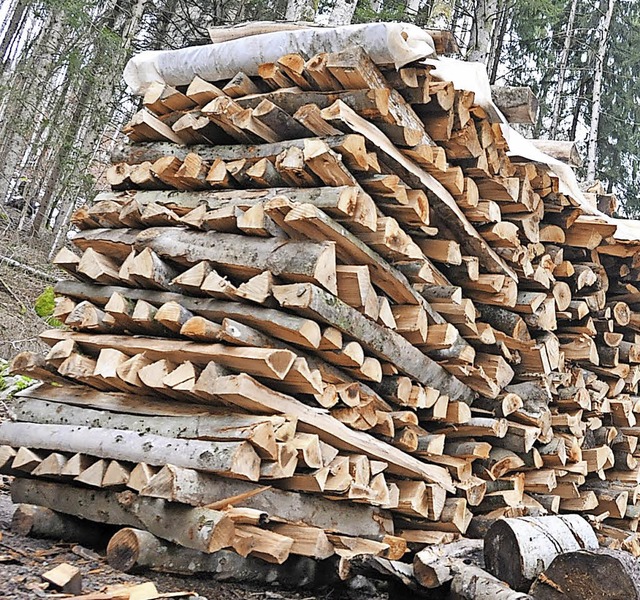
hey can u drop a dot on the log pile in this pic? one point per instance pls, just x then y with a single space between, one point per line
322 312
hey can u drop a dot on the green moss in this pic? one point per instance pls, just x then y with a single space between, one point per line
44 306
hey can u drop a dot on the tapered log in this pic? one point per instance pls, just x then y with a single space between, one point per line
201 529
234 459
199 489
384 343
134 549
517 550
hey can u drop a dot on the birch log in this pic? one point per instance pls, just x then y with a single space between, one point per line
232 459
201 529
517 550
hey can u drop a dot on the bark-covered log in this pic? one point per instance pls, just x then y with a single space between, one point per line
234 459
40 522
435 565
473 583
516 550
600 574
199 489
198 528
135 549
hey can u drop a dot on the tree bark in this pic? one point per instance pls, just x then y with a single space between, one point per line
133 550
517 550
481 30
596 102
233 459
562 69
600 574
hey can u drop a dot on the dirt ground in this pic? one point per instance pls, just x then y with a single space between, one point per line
19 323
23 560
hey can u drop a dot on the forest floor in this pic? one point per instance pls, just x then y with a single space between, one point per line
23 560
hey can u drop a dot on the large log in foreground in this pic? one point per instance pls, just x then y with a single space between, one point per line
40 522
600 574
517 550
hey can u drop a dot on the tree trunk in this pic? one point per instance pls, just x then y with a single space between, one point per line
596 103
562 69
335 12
300 10
499 31
9 37
481 30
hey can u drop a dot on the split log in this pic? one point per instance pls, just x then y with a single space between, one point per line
287 327
243 391
565 151
518 104
233 459
517 550
443 203
262 362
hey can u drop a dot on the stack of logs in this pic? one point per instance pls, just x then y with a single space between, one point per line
322 312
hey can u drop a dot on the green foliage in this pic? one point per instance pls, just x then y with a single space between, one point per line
44 306
11 384
391 11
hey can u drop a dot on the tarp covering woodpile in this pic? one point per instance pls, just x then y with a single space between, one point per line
326 311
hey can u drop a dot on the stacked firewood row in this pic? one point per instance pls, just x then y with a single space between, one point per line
321 311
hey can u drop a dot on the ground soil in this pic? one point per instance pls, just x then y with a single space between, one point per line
23 560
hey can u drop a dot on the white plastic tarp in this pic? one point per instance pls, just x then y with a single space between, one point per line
473 76
386 43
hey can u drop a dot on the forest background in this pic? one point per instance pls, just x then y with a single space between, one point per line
63 101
